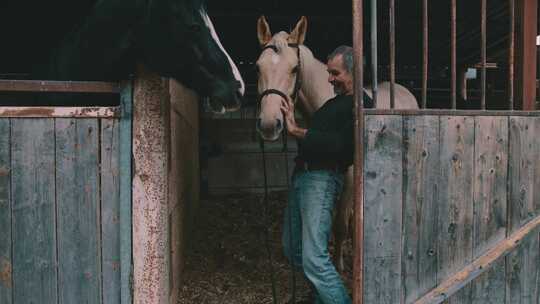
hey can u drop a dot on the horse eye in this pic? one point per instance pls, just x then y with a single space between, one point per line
295 69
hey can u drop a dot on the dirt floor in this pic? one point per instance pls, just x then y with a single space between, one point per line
227 260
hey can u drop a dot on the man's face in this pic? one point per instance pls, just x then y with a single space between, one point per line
339 77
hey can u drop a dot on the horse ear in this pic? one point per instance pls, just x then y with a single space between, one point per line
299 33
263 31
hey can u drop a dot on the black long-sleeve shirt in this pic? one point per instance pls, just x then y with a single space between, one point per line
330 136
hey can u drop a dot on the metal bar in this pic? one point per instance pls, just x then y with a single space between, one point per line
58 86
438 112
453 52
425 53
126 244
480 265
483 55
526 11
511 54
358 260
374 51
393 54
64 112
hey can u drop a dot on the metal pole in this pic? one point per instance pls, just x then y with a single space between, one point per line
453 51
374 51
511 54
483 56
425 53
358 262
392 54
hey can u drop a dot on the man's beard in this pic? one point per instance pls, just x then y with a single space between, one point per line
338 90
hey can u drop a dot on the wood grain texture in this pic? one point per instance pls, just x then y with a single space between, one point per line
34 212
383 209
421 188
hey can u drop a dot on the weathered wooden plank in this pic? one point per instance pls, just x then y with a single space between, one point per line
34 217
50 112
382 211
110 211
78 216
125 177
420 190
58 86
536 179
522 165
490 200
521 265
5 214
151 146
522 284
455 198
481 264
184 177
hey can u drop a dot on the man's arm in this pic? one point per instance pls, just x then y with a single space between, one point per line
287 107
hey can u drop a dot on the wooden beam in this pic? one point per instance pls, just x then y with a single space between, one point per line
53 112
526 19
59 86
478 266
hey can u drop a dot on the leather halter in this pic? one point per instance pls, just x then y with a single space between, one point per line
298 81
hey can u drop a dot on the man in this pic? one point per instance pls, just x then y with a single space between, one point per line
325 151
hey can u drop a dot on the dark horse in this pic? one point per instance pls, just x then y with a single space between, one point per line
174 38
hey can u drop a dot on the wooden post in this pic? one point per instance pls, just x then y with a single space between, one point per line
151 246
358 260
526 23
126 256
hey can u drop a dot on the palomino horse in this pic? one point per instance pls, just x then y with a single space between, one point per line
286 67
174 38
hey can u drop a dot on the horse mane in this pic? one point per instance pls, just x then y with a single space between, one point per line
313 72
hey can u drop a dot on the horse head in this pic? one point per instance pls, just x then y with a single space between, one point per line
174 38
278 69
178 40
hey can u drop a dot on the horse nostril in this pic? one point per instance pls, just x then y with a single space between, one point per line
279 124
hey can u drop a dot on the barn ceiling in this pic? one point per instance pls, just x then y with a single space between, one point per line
26 33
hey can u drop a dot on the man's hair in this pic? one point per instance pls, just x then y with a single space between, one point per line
347 53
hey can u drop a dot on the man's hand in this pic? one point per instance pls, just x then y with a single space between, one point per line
287 107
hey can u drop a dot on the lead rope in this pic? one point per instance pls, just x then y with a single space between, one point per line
297 85
266 222
289 218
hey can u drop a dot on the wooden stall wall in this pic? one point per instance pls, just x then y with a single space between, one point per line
234 162
165 184
439 192
184 177
60 210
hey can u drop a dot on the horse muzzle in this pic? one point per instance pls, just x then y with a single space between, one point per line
269 131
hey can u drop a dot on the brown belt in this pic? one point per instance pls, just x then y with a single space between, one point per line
314 166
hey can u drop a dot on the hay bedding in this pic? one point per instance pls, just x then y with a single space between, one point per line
227 261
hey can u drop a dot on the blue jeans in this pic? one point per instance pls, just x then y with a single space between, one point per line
306 232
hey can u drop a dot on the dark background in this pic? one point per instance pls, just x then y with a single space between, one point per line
29 28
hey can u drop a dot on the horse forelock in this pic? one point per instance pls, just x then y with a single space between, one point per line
279 40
